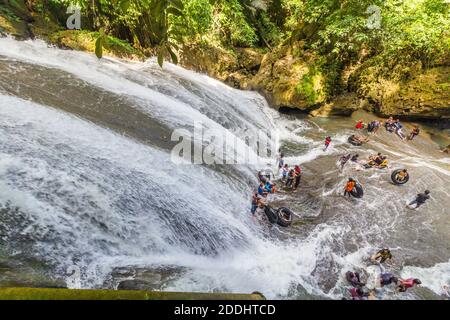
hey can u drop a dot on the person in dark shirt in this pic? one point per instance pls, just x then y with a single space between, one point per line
420 199
387 278
414 133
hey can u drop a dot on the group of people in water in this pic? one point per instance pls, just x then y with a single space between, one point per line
290 177
400 176
359 289
379 160
391 125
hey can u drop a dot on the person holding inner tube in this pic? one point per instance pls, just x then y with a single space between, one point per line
349 187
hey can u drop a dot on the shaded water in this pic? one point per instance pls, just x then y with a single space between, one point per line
87 184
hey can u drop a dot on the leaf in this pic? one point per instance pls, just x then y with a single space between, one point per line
124 5
172 54
99 47
174 11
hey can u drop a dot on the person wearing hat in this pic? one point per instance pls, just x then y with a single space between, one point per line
420 199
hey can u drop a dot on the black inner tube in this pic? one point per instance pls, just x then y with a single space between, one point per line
284 221
271 214
395 179
357 191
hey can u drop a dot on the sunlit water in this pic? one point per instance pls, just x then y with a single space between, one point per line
87 182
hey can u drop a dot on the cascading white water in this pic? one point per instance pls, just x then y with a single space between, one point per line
97 199
101 192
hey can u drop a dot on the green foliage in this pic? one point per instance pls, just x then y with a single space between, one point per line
196 20
336 30
232 26
310 87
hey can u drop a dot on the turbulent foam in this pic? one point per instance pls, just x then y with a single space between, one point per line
433 278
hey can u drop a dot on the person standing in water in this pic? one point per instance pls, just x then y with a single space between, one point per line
255 199
284 172
344 159
359 125
327 143
298 176
349 187
290 178
414 133
281 161
398 129
420 199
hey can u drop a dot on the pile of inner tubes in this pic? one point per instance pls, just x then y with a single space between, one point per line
352 140
283 216
357 191
394 177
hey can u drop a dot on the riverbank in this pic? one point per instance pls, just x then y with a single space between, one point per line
289 76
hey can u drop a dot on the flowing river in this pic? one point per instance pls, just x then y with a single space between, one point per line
90 196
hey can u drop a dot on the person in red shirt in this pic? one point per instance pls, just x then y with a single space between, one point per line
359 125
408 283
298 176
327 142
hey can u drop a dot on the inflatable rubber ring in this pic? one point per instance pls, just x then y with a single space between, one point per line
282 220
271 214
357 191
395 180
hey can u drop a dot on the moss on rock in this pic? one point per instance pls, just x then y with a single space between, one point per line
85 41
76 294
